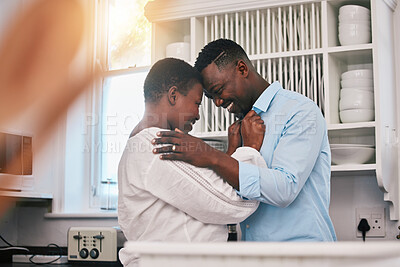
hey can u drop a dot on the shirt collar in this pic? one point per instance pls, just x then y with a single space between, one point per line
264 100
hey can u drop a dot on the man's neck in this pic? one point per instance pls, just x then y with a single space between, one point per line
260 85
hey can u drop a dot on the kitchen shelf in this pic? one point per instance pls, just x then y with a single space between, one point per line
353 167
86 215
349 48
287 54
356 125
361 54
33 195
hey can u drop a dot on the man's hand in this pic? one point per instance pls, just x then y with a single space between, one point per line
187 148
184 147
252 130
234 137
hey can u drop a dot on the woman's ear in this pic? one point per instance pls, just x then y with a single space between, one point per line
242 68
173 95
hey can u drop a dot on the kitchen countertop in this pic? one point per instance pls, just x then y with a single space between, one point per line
6 258
239 254
74 264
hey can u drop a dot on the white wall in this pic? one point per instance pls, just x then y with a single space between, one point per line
26 225
356 191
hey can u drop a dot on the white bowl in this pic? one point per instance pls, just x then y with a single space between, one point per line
351 19
357 115
356 74
351 27
350 145
179 50
356 101
353 92
354 12
357 82
352 37
351 155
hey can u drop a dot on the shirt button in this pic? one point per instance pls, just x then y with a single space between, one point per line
247 226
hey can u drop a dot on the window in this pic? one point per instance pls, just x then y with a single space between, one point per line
123 49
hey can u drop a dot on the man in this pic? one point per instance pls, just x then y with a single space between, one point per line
168 200
294 190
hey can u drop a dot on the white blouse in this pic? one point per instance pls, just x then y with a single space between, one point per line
161 200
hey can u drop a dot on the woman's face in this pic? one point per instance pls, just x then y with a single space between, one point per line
186 110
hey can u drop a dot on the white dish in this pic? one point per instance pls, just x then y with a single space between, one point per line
354 12
351 19
351 155
350 92
357 82
357 115
179 50
356 101
353 37
350 27
357 74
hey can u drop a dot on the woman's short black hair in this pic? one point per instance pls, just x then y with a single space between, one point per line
222 52
166 73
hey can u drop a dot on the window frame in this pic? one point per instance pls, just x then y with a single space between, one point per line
94 135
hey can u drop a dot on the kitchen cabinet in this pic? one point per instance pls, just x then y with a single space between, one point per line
296 43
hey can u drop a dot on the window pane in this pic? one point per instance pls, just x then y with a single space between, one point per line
129 34
123 108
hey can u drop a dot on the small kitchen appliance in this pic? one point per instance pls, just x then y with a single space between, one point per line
98 244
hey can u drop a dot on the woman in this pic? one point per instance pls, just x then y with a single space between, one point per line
161 200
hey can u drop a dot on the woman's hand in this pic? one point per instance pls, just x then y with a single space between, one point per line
252 130
185 147
234 137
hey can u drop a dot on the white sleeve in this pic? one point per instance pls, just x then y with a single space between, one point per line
249 155
199 192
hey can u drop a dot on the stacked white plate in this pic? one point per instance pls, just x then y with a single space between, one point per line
356 102
354 25
351 153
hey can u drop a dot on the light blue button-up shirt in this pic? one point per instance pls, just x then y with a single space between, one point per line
295 189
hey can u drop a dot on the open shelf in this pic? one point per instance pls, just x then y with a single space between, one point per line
348 50
353 167
332 17
355 125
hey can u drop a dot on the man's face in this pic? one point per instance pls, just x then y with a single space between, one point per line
227 87
186 110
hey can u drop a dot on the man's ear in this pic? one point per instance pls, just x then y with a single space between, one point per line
173 95
242 68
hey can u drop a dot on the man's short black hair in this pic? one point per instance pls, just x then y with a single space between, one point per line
222 52
166 73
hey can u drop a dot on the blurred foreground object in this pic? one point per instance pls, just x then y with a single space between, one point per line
36 85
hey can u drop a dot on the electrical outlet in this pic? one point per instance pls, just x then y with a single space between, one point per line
375 218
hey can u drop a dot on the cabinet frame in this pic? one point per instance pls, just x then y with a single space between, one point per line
379 53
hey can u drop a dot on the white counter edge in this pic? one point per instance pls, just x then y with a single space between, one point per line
387 249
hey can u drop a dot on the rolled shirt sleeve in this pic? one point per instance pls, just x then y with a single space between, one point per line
250 163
